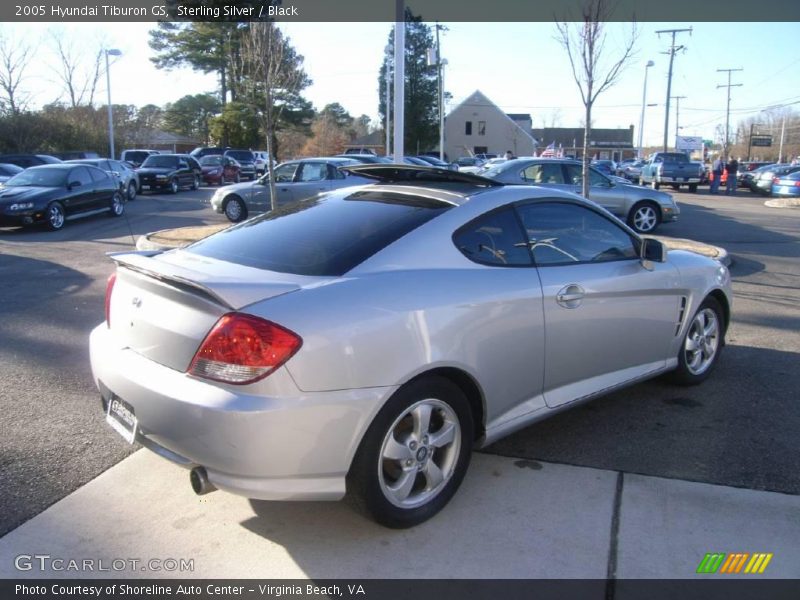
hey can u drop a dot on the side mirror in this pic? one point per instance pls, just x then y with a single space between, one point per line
652 251
73 184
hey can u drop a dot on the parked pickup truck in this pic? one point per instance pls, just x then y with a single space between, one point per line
670 168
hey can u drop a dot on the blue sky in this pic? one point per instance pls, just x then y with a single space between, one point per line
520 66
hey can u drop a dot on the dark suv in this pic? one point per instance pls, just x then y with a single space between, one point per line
199 153
246 159
170 172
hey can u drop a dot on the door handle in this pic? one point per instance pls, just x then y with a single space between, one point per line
570 296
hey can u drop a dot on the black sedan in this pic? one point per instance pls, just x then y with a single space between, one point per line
170 172
54 193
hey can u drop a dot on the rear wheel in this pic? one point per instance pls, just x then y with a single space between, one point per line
117 205
235 210
693 187
414 455
701 345
55 216
644 217
195 182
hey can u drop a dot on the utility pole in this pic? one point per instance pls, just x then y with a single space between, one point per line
388 98
728 109
783 131
672 50
677 117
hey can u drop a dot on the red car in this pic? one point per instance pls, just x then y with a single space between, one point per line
219 169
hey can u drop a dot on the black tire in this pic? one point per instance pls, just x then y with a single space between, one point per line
55 216
238 178
645 217
131 194
693 188
420 463
174 186
195 183
655 185
675 186
117 206
688 373
235 209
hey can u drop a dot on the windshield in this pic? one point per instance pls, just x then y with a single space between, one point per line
39 177
241 154
211 161
160 162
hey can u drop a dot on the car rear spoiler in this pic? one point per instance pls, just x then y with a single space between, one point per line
386 173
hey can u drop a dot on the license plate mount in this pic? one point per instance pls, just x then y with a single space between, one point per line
122 418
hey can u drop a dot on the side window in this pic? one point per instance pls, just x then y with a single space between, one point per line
314 172
481 127
81 175
532 174
494 239
182 164
193 163
575 176
561 233
285 173
468 128
98 174
334 173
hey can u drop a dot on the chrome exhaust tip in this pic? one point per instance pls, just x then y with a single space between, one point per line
200 483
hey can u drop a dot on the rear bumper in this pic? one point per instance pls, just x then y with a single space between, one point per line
285 445
683 180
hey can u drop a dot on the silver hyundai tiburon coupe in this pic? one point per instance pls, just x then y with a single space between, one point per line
365 341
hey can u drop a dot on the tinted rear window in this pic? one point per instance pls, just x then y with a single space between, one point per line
156 161
241 154
322 236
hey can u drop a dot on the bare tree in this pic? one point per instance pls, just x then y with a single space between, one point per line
78 73
14 59
585 43
275 74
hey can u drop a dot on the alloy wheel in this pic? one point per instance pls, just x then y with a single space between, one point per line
702 341
645 219
419 453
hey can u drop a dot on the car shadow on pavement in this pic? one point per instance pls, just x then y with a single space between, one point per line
738 428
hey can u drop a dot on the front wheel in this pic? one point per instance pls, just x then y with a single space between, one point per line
235 210
173 186
117 207
55 216
131 190
644 217
701 345
195 182
414 455
693 188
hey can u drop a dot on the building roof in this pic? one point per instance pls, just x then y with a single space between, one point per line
519 116
478 98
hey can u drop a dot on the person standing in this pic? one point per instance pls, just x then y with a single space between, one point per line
730 185
716 174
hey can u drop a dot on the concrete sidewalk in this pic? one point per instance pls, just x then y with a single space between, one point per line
510 519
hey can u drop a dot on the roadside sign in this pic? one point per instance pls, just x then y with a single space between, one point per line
688 142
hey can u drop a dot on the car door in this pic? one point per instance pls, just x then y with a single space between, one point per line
313 178
608 318
511 349
601 189
81 193
284 181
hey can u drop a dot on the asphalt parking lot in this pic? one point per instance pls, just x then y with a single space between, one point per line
738 429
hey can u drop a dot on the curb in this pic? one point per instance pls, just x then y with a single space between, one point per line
783 203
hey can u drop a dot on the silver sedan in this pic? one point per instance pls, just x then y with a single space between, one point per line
364 342
642 208
295 180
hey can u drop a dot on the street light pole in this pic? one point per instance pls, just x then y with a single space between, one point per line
649 64
388 99
110 52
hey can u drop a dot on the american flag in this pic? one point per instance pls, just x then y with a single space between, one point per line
550 151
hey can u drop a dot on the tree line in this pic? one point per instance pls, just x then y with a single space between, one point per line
258 102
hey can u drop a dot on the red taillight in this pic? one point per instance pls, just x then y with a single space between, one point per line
109 288
242 349
776 180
